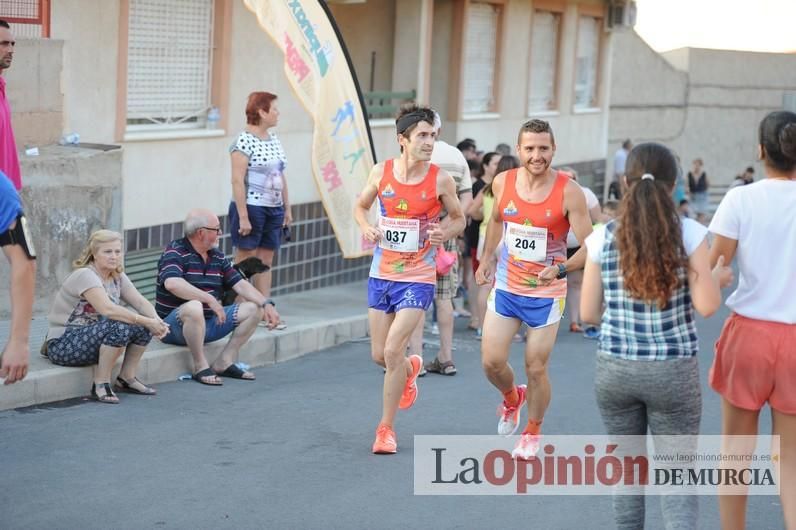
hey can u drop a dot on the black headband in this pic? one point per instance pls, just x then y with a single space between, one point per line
406 121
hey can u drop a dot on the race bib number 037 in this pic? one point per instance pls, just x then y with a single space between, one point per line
527 243
399 235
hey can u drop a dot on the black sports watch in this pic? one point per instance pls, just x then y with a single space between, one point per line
562 271
267 301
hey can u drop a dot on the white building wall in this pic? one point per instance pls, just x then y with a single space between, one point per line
165 179
580 135
90 31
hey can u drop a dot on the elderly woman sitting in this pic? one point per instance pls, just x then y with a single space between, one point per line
88 326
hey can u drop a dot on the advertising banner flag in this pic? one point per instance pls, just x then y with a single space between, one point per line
319 70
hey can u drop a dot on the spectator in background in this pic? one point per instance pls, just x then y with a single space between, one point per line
610 210
189 301
755 361
485 172
679 193
684 209
575 278
468 149
18 248
97 315
747 177
481 209
260 207
646 274
453 161
698 185
503 149
9 163
620 158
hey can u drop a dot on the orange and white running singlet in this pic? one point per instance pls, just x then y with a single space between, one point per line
534 237
405 210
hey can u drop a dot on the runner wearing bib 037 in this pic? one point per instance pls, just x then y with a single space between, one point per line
534 237
404 253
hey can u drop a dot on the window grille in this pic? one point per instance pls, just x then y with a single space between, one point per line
587 62
480 58
543 68
168 64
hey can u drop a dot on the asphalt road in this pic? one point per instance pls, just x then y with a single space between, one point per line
292 450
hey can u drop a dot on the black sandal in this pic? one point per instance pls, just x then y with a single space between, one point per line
108 397
234 371
125 386
201 377
437 367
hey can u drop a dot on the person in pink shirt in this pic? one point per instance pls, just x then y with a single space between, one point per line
9 162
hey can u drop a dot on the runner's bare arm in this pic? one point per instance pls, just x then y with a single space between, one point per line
579 220
365 201
578 214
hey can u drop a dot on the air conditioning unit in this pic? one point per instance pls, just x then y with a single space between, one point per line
621 14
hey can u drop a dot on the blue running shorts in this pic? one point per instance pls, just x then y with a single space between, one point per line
391 296
536 312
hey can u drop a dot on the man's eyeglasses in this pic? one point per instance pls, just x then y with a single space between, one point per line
216 230
11 43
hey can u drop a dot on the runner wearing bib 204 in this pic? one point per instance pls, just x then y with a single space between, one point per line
534 206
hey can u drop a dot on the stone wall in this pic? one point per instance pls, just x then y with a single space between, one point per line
68 192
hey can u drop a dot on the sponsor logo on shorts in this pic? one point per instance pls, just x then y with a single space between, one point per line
410 299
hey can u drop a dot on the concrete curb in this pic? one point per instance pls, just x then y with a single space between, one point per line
167 363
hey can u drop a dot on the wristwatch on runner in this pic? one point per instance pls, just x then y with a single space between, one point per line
562 271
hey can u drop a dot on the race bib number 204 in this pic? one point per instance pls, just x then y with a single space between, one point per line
527 243
399 235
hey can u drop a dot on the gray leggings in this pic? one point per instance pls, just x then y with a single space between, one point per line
662 395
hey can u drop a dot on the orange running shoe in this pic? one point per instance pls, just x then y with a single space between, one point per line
510 416
409 395
385 443
527 446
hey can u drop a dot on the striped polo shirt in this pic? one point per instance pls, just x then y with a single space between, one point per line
181 260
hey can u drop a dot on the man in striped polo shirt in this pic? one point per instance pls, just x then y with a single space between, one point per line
192 276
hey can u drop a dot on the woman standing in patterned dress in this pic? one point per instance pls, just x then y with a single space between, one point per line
260 207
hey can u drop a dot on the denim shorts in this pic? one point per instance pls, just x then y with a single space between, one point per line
214 330
266 224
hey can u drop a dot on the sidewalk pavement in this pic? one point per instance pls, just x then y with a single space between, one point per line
316 319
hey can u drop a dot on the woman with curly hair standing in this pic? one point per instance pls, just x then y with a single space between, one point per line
652 270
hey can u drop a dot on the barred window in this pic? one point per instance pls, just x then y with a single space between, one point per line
480 57
170 47
543 70
587 62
